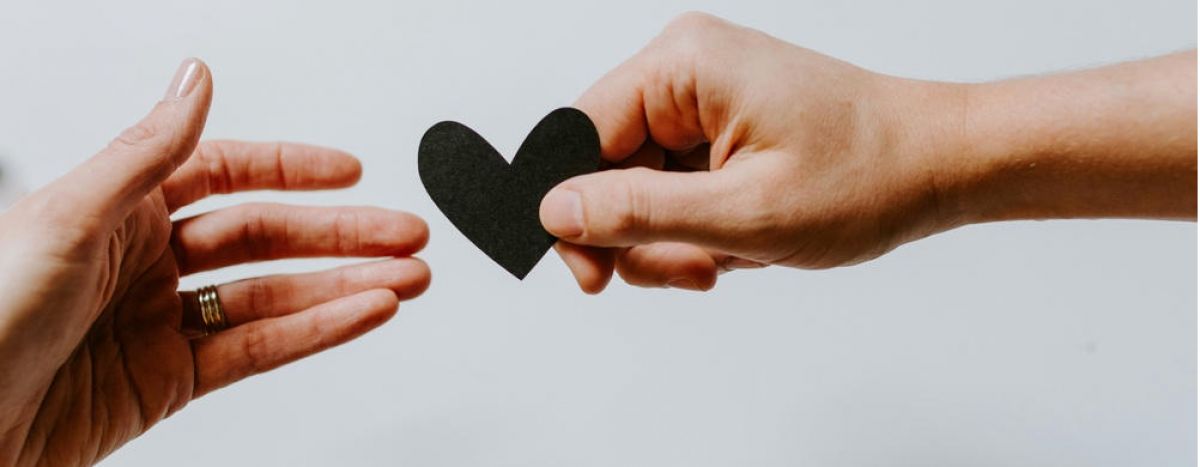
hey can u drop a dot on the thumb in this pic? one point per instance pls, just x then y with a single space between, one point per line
110 184
635 206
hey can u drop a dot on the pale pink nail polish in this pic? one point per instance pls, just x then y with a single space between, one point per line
184 81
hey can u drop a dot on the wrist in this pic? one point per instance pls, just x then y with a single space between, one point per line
985 149
1006 140
928 126
1117 141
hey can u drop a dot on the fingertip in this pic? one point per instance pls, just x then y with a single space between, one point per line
695 282
192 78
592 267
621 128
413 277
561 212
351 167
376 307
195 93
594 284
316 166
351 316
144 155
707 280
409 232
422 232
704 272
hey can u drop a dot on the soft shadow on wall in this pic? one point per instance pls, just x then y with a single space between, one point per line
10 187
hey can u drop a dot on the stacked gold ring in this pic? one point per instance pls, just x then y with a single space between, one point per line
212 314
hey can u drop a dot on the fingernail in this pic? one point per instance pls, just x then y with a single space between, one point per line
562 213
184 81
742 263
687 284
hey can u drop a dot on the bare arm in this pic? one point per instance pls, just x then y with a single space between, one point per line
1117 141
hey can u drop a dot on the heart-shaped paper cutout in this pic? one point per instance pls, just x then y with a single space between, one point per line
494 203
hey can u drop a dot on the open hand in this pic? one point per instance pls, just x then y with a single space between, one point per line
97 344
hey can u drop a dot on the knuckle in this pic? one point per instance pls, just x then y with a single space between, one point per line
343 283
216 167
256 231
154 141
691 34
690 24
629 206
280 166
256 348
262 296
346 228
161 137
140 134
688 43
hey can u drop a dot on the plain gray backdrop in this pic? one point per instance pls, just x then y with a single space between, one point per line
1064 343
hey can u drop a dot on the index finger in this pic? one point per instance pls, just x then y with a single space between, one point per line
222 167
656 95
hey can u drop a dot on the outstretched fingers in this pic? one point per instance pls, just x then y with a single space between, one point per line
263 232
259 346
222 167
272 296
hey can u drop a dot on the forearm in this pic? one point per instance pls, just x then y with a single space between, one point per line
1118 141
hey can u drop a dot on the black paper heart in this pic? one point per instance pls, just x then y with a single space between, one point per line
495 204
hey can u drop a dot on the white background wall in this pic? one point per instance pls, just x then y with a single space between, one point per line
1033 343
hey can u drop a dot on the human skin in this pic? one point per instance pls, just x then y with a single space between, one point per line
97 344
778 155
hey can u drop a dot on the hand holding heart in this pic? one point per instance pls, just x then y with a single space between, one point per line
740 150
732 150
494 203
779 155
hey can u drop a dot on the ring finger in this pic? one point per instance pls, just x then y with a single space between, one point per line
278 295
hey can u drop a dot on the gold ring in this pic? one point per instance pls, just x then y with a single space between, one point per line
212 314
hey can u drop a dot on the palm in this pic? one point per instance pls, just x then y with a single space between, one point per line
122 350
135 364
96 342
